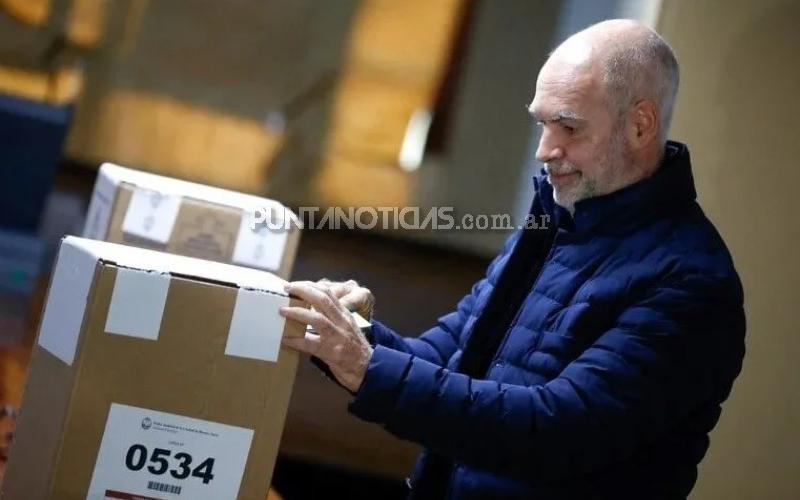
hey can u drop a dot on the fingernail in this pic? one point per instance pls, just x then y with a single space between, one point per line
282 310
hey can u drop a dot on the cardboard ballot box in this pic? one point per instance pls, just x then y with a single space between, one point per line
160 213
153 376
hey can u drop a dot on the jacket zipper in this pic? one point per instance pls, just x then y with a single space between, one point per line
519 311
449 491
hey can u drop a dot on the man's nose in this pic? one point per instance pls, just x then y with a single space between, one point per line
549 148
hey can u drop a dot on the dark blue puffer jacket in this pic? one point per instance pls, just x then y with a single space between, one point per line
611 374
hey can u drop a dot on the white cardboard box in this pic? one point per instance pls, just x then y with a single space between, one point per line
161 213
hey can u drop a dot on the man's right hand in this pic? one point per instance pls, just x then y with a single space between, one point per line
353 296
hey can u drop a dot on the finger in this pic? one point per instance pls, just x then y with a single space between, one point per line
316 319
301 283
331 306
355 300
320 299
323 287
339 290
344 288
361 300
310 344
307 290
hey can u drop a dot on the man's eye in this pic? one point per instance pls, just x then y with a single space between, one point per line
568 129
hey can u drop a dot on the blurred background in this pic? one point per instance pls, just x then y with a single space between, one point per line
394 103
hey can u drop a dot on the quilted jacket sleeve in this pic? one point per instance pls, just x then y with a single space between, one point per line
669 353
439 343
435 346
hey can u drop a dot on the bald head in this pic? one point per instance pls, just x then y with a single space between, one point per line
631 62
604 101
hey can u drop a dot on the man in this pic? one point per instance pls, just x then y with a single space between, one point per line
592 360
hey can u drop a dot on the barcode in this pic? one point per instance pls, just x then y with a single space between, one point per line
166 488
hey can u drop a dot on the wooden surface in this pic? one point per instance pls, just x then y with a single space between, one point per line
33 12
172 137
210 93
59 87
84 24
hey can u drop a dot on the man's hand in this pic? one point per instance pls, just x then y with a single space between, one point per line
353 296
338 341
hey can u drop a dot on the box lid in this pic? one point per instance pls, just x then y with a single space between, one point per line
260 292
150 260
168 185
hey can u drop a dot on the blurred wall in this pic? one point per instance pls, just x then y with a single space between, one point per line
397 57
488 164
487 142
738 109
214 91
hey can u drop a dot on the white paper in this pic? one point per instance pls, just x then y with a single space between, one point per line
66 301
256 327
137 303
360 321
261 247
131 437
99 214
151 215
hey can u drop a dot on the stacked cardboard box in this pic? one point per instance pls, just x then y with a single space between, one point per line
154 376
157 375
160 213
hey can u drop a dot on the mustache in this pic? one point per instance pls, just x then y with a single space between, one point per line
560 168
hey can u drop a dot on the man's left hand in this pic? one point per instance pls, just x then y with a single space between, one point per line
337 339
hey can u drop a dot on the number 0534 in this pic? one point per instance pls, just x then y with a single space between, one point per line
161 461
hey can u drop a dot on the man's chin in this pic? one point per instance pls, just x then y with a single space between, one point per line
564 196
567 202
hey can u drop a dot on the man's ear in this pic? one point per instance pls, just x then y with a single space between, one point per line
643 123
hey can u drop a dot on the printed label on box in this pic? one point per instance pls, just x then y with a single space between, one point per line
121 495
206 235
151 215
148 454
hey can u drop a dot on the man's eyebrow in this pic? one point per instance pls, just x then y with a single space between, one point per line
562 115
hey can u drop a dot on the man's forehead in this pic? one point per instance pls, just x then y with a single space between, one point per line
563 91
572 65
560 76
564 101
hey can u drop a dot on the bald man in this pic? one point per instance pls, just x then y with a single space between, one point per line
593 359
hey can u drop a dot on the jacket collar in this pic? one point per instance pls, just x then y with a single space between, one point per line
669 187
